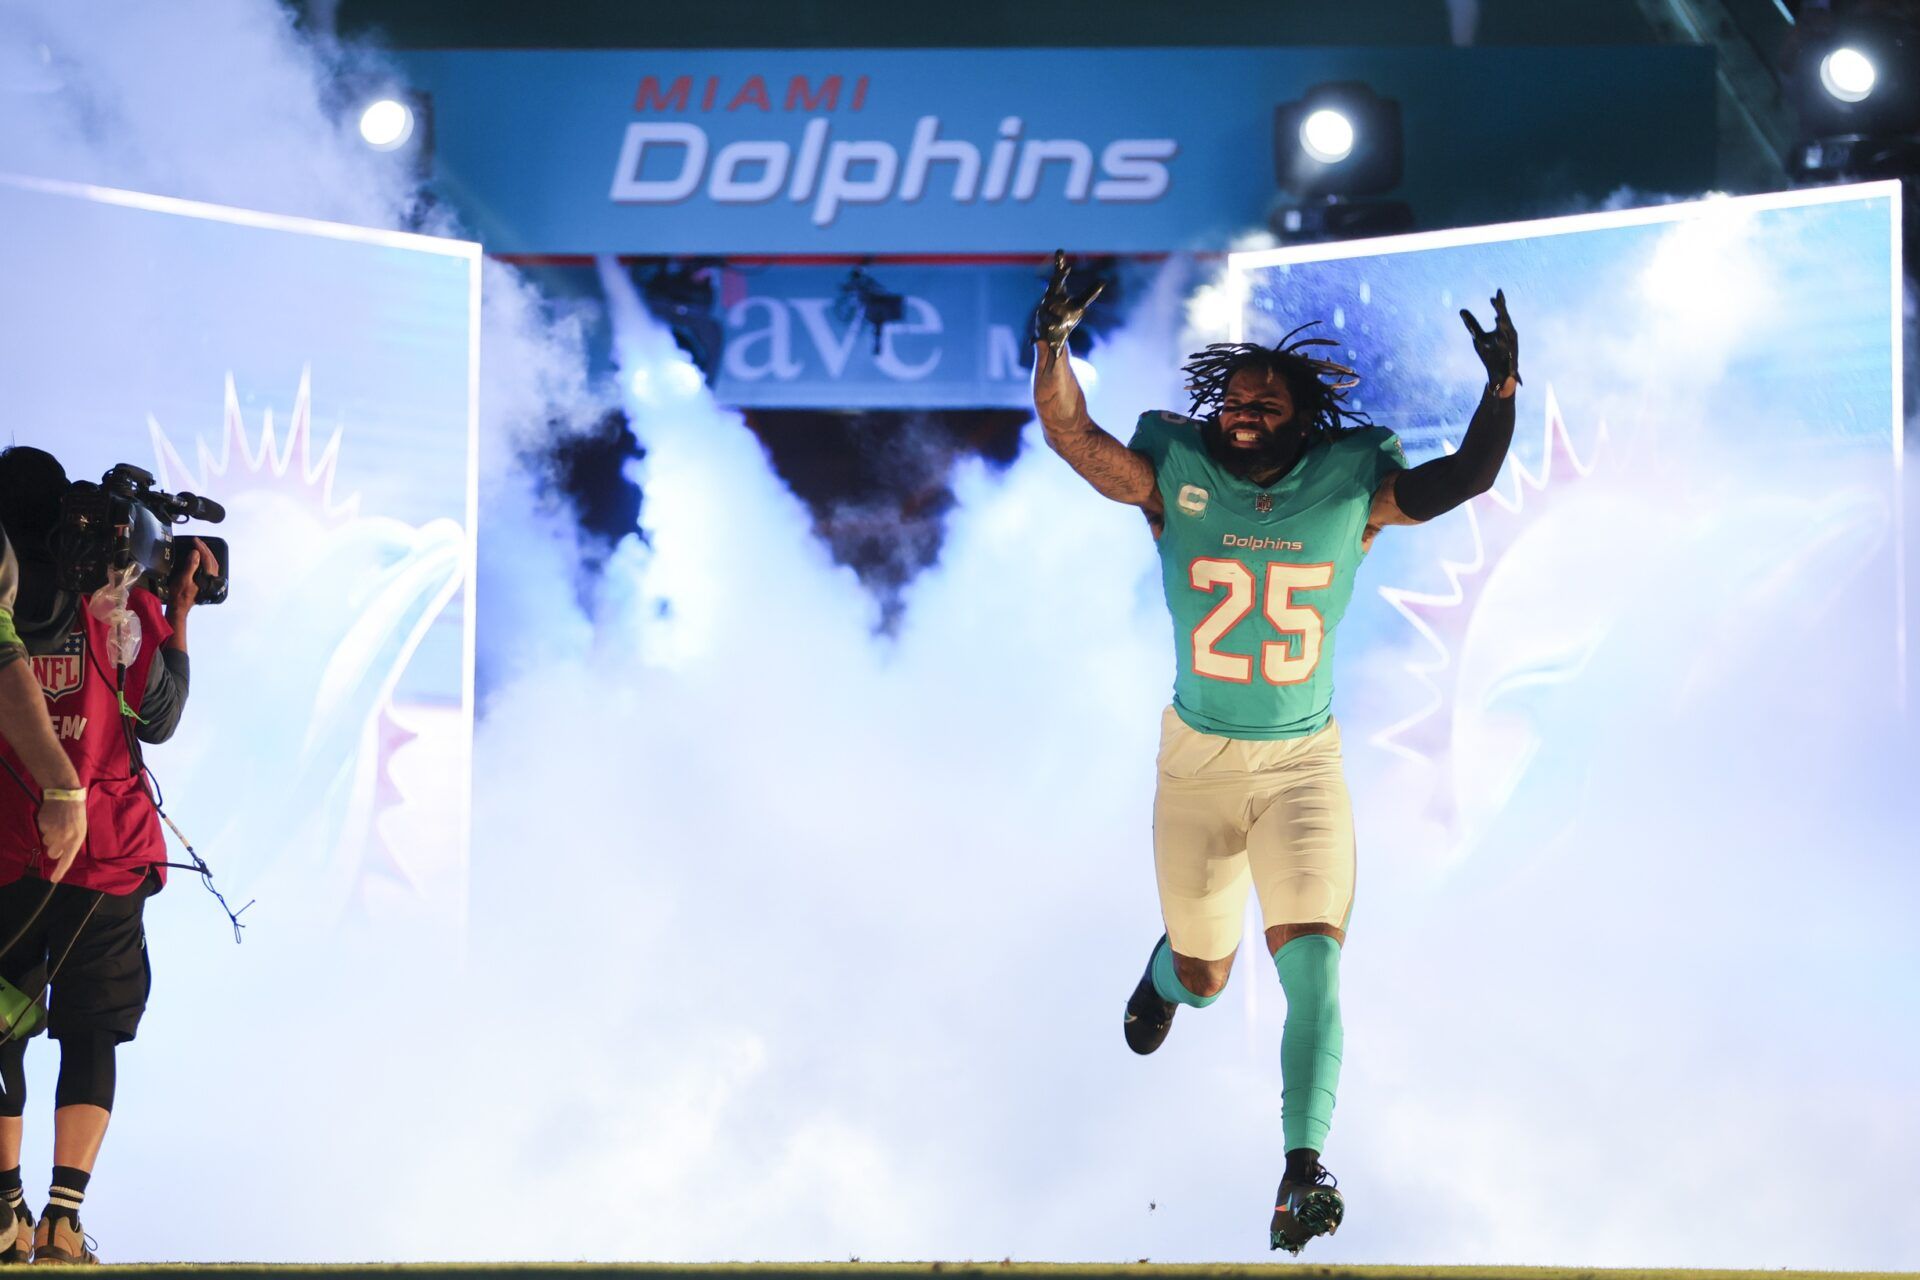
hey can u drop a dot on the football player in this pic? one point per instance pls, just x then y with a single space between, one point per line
1263 499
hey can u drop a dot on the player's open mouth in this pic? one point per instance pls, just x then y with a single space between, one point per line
1244 437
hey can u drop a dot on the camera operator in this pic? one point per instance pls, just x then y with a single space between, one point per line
78 918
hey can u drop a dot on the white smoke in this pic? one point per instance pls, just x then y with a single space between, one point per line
895 892
277 1078
789 941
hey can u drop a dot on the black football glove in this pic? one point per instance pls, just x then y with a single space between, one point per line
1500 349
1057 314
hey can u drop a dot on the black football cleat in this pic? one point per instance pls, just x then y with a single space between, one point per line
1148 1016
1304 1208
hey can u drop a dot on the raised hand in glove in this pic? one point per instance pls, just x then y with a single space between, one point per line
1057 314
1498 349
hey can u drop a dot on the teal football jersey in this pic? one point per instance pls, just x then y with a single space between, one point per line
1258 578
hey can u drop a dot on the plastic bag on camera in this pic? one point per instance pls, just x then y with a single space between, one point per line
109 606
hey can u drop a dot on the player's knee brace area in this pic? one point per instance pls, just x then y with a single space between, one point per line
13 1078
1167 981
86 1070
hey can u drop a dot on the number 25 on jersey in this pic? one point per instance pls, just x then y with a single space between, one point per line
1280 662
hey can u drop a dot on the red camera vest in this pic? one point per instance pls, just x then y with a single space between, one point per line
123 830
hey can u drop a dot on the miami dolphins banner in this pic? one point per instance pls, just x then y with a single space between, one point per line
944 151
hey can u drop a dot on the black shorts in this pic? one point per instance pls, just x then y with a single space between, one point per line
102 983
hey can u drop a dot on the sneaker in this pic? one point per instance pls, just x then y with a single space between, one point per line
1306 1208
18 1238
59 1239
1148 1016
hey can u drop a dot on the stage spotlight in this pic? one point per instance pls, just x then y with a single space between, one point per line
386 124
1333 151
1327 136
1340 139
1847 74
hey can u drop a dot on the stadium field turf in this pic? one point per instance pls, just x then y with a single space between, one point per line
961 1271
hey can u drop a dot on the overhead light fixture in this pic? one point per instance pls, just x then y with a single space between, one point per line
1327 136
1335 151
1847 74
1338 139
1846 71
386 124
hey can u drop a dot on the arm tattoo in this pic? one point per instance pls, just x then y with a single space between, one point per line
1110 467
1106 464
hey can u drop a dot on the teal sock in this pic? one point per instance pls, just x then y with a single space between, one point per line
1167 982
1311 1042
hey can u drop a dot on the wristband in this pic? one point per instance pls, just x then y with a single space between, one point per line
77 795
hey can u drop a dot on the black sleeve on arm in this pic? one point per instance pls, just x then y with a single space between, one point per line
165 699
1441 484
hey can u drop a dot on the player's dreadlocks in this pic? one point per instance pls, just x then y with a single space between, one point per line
1319 387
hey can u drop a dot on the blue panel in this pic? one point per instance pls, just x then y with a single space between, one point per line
961 341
